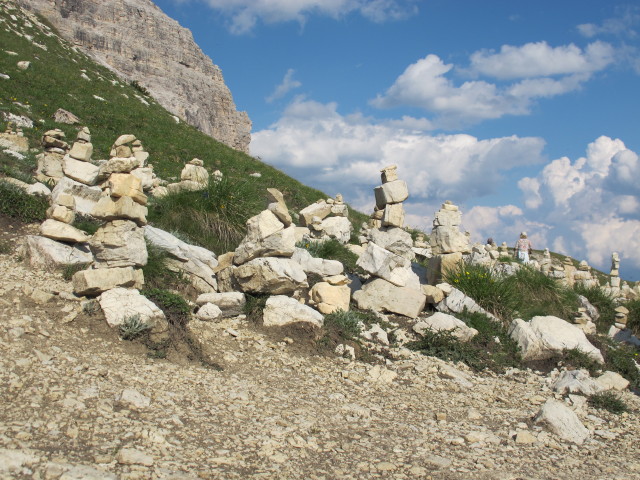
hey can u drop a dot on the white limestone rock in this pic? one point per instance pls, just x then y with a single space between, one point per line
546 336
383 264
329 298
279 244
576 381
337 227
209 312
391 192
50 254
379 295
63 232
393 215
119 243
193 260
118 304
320 209
562 421
458 302
394 239
83 172
85 197
319 266
126 185
271 275
229 303
81 151
281 310
94 282
122 208
612 381
442 321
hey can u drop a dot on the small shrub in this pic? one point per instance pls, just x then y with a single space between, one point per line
346 324
16 203
132 327
577 359
91 307
87 223
175 308
603 302
608 401
254 306
135 84
633 319
69 270
157 274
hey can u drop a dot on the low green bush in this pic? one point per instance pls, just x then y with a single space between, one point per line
157 274
16 203
633 319
492 292
213 218
608 401
541 295
602 301
175 308
491 348
346 324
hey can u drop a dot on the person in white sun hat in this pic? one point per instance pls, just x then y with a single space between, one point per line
523 248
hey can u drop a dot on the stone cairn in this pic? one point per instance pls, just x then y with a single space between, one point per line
393 286
325 219
192 178
614 281
50 162
389 211
118 246
583 276
448 243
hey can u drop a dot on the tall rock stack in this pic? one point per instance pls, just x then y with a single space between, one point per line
448 243
583 276
393 286
118 246
77 164
614 281
389 211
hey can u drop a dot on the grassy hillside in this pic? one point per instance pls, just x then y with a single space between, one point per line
59 76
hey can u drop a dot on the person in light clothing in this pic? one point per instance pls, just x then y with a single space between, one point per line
523 248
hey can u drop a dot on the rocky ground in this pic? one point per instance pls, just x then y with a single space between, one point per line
79 403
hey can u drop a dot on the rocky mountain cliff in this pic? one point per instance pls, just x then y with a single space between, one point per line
139 42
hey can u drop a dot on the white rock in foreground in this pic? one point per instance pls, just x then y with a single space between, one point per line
119 304
281 310
562 421
442 321
544 337
379 295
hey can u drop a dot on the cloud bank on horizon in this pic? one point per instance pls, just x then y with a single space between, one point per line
587 206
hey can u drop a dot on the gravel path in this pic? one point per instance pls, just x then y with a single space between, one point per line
78 403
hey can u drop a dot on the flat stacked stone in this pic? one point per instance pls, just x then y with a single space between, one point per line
324 220
192 178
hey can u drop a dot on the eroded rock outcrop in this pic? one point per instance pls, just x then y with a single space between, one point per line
164 58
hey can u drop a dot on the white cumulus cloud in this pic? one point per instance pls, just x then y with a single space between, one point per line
244 15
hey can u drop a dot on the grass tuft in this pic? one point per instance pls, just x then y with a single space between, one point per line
16 203
332 250
132 327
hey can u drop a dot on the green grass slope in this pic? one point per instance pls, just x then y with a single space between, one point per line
60 76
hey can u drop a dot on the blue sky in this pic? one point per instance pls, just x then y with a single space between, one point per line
525 114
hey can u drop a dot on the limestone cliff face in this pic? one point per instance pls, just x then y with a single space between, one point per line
139 42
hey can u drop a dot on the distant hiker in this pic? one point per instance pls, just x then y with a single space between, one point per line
523 248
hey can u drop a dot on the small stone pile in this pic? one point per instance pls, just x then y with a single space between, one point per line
448 243
77 164
583 276
389 211
325 219
192 178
